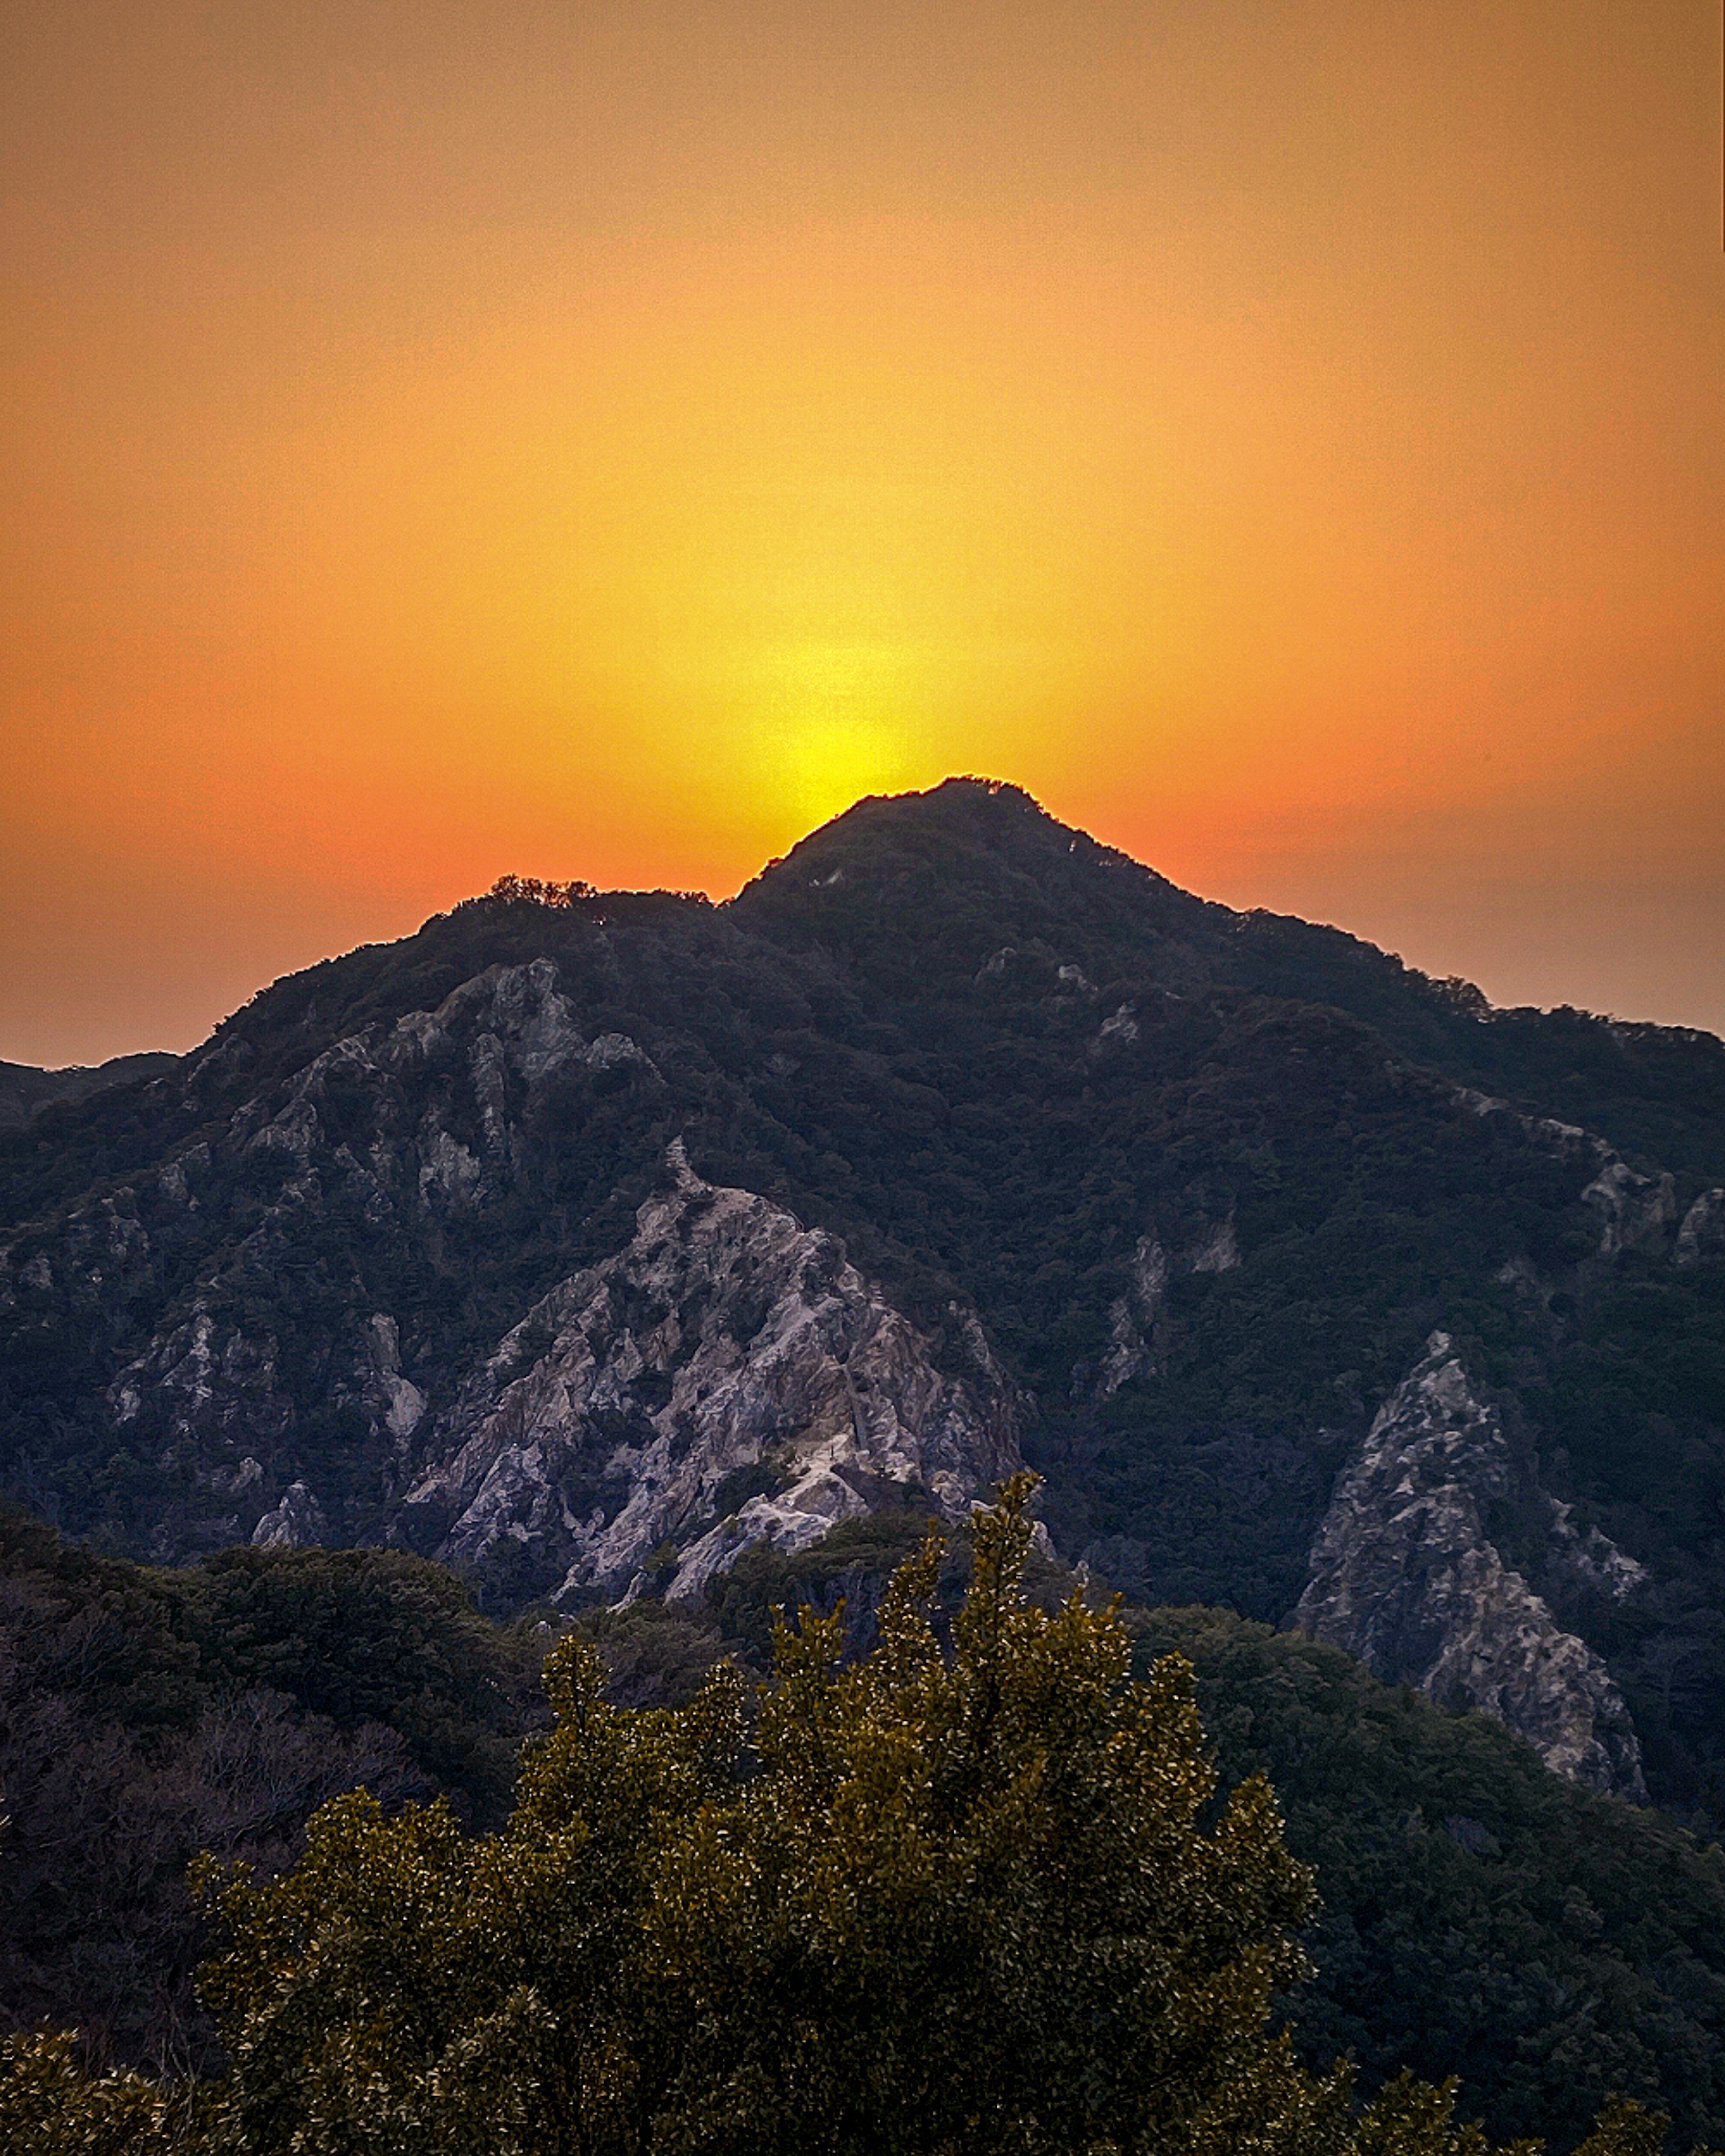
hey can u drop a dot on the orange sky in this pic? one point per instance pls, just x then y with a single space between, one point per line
602 439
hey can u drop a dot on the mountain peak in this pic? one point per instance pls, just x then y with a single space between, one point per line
972 853
996 816
988 812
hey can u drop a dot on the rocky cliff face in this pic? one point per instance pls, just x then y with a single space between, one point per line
1133 1317
726 1346
1406 1576
398 1253
1703 1233
384 1161
1635 1212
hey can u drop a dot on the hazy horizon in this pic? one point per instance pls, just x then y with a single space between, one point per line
180 1046
604 443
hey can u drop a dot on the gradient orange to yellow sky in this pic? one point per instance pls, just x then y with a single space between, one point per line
601 439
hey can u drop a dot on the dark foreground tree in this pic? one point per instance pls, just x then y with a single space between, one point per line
963 1903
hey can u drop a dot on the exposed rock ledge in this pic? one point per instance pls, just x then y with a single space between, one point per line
297 1522
1216 1250
724 1337
1404 1576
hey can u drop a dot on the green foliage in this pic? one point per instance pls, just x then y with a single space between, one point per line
97 1628
653 1656
918 1904
1480 1916
850 1566
372 1636
146 1715
50 2107
988 1898
534 891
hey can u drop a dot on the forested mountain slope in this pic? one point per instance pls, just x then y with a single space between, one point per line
587 1238
146 1716
25 1090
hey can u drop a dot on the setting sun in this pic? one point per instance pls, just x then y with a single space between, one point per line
604 444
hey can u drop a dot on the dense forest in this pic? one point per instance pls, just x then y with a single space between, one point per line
1475 1915
148 1715
1000 1063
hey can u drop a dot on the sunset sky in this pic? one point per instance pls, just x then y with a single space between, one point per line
603 439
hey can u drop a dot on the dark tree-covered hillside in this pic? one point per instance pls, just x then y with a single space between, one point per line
972 1888
1206 1183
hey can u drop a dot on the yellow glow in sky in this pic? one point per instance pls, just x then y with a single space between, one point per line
603 441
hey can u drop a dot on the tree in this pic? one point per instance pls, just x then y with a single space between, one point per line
50 2107
975 1896
921 1902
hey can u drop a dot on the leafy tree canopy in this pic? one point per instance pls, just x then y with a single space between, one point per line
982 1900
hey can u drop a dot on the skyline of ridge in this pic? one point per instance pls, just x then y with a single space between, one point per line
954 780
607 441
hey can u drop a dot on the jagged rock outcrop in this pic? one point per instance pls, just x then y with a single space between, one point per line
297 1522
1405 1575
1131 1318
1636 1212
495 1046
724 1341
205 1381
420 1130
398 1400
1703 1233
1130 1315
391 1132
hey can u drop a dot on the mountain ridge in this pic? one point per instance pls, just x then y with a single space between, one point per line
26 1090
1202 1183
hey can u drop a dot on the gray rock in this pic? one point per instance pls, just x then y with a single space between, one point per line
1128 1314
297 1522
1405 1576
211 1388
1217 1250
397 1400
1131 1318
1636 1212
723 1336
1703 1233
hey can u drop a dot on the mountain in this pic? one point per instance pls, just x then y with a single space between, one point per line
585 1239
24 1089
